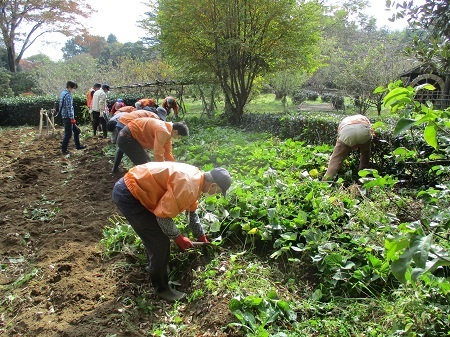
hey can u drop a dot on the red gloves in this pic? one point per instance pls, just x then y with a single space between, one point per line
183 242
73 121
202 239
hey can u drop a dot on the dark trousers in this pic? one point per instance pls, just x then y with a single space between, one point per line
146 227
126 144
97 121
70 128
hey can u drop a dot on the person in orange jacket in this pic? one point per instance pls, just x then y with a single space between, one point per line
147 133
126 108
117 105
117 123
151 195
126 118
170 103
354 132
90 94
145 103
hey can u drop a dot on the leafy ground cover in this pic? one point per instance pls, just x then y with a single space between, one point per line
291 256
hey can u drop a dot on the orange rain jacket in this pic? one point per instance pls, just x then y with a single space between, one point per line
147 102
126 108
154 134
89 96
166 189
125 119
166 106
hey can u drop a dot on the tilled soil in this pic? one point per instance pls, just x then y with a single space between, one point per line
54 280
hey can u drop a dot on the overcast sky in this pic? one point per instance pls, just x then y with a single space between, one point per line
120 17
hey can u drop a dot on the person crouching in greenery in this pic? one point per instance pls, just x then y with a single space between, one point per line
151 195
354 132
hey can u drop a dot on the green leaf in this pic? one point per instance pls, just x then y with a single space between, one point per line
394 95
394 246
420 248
403 124
400 267
430 134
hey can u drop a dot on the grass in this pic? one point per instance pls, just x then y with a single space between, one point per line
268 104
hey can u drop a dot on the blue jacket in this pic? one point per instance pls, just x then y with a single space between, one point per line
66 104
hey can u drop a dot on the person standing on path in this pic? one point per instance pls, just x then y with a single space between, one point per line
354 132
99 107
150 196
68 118
89 96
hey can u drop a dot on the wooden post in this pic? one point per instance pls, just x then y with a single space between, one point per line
41 121
49 116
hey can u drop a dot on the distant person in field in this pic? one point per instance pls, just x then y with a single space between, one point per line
68 118
89 96
150 196
146 104
117 105
354 132
147 133
169 103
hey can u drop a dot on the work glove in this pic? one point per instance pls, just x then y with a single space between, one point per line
73 121
183 242
202 239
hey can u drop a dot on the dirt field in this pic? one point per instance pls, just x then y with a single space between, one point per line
53 210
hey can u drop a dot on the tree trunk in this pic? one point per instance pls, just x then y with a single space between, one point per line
11 59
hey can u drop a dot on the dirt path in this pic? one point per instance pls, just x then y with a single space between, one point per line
53 210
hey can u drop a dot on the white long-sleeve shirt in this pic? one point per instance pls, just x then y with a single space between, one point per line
99 101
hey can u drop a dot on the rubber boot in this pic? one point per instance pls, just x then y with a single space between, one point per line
162 288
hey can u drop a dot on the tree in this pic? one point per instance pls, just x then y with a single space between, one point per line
84 43
22 22
359 57
432 15
111 39
5 89
239 40
431 46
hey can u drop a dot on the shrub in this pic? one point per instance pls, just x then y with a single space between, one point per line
312 95
326 97
338 102
299 97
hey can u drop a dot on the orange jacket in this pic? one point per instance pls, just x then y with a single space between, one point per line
166 189
154 134
89 96
126 108
147 102
116 106
174 106
125 119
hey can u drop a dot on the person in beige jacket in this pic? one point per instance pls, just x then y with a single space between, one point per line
99 109
354 132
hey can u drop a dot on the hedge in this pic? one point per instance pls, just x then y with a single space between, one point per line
24 110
